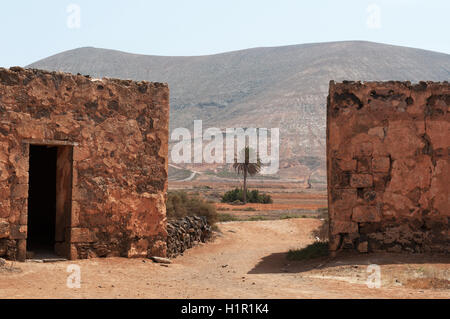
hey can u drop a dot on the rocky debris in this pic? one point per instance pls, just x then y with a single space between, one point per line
186 233
8 248
363 247
8 268
161 260
388 166
4 228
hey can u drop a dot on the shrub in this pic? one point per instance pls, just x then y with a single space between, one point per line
318 249
287 216
322 231
257 218
227 218
252 197
179 204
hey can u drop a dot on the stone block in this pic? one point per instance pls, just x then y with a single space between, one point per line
365 214
81 153
73 252
159 249
381 164
343 198
19 191
75 214
334 242
438 132
408 174
138 249
347 164
18 232
343 227
21 250
23 220
363 149
82 235
364 164
361 180
363 247
403 140
3 247
5 208
4 228
377 131
342 214
340 179
4 173
380 181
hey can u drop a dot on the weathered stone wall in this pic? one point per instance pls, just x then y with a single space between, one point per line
119 133
186 233
388 148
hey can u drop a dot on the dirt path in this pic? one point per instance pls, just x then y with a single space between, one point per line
246 261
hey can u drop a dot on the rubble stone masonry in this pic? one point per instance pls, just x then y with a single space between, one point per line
388 148
112 140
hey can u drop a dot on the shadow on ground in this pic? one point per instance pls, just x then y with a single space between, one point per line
278 263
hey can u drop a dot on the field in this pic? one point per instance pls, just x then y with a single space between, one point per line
290 199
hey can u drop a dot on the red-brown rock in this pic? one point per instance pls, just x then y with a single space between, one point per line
361 180
110 139
366 214
397 194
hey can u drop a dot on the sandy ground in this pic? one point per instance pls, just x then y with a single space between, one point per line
246 261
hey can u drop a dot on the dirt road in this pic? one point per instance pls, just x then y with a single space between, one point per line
246 261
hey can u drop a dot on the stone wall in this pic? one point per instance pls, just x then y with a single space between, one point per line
388 147
112 139
186 233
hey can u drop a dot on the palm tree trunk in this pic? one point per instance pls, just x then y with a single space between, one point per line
245 185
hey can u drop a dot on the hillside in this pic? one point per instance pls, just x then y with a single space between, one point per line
283 87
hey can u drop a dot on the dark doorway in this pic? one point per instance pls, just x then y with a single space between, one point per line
42 198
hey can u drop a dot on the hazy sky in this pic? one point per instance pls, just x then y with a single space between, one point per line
31 30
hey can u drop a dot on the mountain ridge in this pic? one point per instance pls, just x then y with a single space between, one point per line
283 87
240 50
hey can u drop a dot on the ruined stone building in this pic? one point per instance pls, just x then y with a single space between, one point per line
83 165
388 148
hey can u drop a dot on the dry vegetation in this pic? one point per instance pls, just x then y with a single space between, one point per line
290 200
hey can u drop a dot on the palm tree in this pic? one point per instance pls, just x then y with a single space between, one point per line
247 168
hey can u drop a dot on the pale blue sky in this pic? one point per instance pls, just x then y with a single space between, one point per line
31 30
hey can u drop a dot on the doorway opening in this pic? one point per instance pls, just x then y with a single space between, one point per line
49 200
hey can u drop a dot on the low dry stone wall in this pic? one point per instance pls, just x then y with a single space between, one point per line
186 233
388 158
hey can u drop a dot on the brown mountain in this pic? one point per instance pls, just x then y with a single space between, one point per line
283 87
